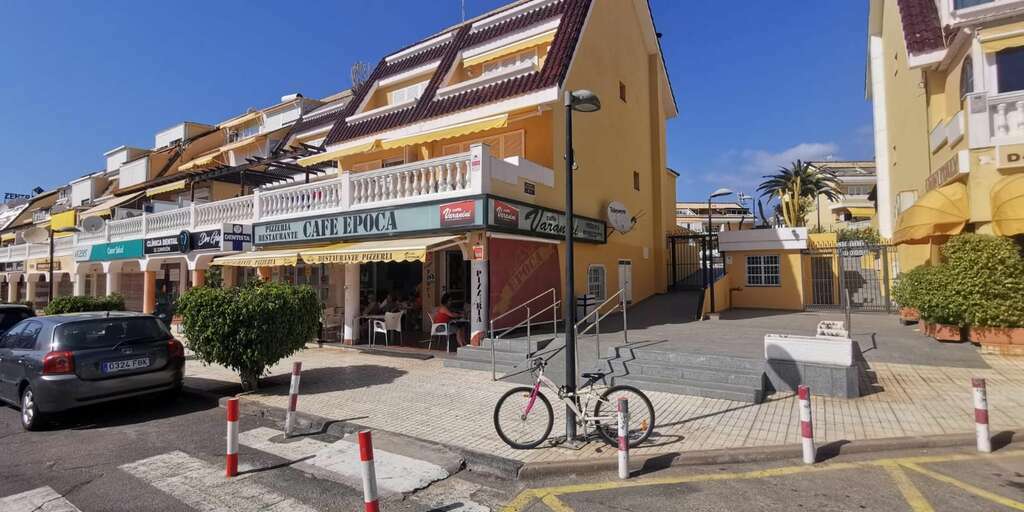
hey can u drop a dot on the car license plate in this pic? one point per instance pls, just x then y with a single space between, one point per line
128 364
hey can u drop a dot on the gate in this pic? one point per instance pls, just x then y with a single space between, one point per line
693 260
855 271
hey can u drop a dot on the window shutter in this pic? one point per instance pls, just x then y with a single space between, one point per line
512 144
450 149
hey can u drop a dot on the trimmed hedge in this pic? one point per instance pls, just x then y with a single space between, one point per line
249 328
986 276
78 304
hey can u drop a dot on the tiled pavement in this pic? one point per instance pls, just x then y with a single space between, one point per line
453 406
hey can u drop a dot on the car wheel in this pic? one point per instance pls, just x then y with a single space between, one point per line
31 418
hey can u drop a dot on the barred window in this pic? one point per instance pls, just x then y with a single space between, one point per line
763 270
596 282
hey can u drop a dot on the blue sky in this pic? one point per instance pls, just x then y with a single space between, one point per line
758 84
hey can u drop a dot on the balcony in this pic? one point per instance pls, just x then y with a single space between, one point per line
444 178
995 119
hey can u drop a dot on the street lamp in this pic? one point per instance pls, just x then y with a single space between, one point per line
65 229
580 100
708 249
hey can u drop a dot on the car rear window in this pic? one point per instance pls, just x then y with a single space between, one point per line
107 332
9 318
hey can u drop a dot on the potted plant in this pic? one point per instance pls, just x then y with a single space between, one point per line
987 273
906 291
941 309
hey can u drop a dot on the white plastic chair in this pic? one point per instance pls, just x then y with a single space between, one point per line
393 323
379 327
437 329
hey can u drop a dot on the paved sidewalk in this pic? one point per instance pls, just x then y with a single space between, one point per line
452 406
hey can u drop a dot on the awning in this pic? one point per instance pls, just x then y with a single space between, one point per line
60 220
240 120
943 211
167 187
105 207
259 259
1008 206
205 160
861 211
536 40
373 145
5 237
999 38
409 249
448 132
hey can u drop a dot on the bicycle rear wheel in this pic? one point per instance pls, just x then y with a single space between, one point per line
641 415
519 428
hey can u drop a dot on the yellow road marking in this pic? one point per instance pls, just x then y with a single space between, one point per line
555 504
519 503
995 498
914 498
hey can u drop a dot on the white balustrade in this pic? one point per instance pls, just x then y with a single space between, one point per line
238 209
126 228
171 220
417 180
305 198
993 119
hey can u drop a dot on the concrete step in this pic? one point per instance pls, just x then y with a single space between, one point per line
469 353
686 359
694 388
644 368
520 345
484 366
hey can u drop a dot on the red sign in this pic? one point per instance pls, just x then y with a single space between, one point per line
506 215
478 252
462 213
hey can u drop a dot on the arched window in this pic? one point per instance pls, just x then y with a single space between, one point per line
967 78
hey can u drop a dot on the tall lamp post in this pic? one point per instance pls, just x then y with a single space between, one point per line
707 248
580 100
67 229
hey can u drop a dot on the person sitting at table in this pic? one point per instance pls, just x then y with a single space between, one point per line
391 303
374 307
444 315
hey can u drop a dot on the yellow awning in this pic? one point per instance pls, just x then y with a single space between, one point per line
536 40
105 207
240 120
60 220
409 249
259 259
1008 206
167 187
943 211
338 153
861 212
6 237
448 132
1001 37
204 160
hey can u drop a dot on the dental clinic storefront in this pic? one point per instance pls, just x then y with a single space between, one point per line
488 254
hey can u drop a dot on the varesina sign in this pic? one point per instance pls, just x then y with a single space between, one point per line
362 224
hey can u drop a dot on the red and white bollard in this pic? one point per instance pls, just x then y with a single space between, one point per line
622 413
231 464
369 475
293 398
806 430
981 416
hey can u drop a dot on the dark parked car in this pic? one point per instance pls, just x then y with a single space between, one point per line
11 314
50 364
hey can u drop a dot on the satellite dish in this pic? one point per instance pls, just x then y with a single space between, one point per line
619 218
36 235
92 224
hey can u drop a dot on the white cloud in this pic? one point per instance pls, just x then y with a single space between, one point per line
746 167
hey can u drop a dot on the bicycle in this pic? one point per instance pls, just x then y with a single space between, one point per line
523 425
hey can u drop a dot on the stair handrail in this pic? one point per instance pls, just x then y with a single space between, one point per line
620 298
527 321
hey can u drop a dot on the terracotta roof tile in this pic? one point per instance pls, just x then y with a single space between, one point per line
922 28
556 65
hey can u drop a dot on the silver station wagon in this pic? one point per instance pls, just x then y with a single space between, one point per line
50 364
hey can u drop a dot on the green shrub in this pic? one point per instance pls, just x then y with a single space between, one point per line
248 329
934 298
78 304
867 235
986 274
908 288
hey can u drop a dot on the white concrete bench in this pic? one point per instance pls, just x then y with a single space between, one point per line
836 351
824 363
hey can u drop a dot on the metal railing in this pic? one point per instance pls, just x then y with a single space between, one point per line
528 322
620 299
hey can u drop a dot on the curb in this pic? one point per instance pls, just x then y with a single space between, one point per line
827 451
472 460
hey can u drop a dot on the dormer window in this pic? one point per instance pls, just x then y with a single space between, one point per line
529 57
407 94
243 132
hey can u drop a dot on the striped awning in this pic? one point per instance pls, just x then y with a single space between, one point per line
167 187
1008 206
286 257
373 145
407 249
448 132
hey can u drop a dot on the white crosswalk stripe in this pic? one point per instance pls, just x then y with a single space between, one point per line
43 499
339 461
204 487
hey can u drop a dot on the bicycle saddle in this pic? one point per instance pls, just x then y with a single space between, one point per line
592 375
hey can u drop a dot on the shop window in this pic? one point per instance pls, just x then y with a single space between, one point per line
1010 69
596 282
763 270
636 180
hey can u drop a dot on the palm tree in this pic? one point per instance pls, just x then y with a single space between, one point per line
796 184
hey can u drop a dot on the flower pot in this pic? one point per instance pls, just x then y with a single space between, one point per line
944 332
909 316
999 340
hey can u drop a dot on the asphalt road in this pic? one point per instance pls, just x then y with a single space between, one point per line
82 455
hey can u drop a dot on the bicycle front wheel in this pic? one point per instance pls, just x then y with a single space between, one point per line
519 423
641 415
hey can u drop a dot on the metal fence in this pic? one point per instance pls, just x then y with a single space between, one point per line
693 260
855 271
